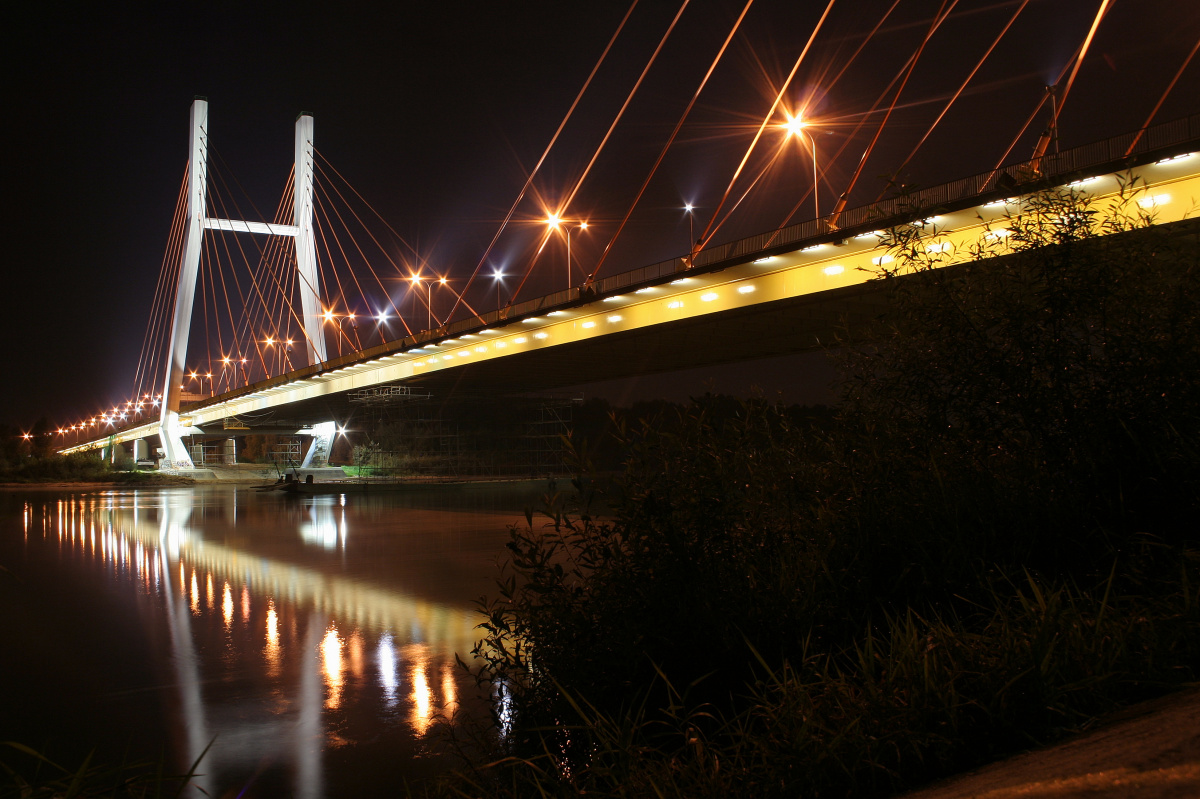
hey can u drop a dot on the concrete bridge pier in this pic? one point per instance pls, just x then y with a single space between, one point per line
110 451
141 450
322 442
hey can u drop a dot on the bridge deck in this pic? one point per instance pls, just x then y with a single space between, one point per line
781 292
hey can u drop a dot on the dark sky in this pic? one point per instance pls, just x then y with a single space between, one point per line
435 111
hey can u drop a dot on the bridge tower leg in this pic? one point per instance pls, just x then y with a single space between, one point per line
174 452
306 251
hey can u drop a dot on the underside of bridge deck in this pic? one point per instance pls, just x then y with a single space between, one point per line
796 325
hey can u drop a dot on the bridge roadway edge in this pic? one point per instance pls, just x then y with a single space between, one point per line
782 321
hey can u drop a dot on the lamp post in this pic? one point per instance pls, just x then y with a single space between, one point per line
795 127
270 342
688 208
416 281
497 277
554 221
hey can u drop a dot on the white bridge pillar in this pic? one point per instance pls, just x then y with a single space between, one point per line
175 454
306 251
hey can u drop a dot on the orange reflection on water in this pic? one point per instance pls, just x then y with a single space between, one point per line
331 666
227 605
245 604
208 592
449 689
272 650
422 696
354 649
195 594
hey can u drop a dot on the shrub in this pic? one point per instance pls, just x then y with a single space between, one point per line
990 547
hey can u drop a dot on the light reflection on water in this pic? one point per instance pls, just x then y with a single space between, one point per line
326 649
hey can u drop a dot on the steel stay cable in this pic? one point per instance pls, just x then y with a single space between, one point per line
364 257
670 140
862 118
247 310
361 254
150 346
600 148
761 173
1079 59
164 292
1163 98
149 356
268 264
254 282
1032 116
171 284
960 90
215 267
362 199
329 258
340 293
708 232
237 348
205 265
286 210
266 256
149 337
545 153
939 18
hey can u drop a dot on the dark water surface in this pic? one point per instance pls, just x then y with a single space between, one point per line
311 639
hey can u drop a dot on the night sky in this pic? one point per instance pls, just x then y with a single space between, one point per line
435 113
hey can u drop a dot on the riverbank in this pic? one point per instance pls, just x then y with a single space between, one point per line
120 480
1146 751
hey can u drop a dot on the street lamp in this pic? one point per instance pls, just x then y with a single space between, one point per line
498 277
554 221
274 359
416 281
688 208
795 126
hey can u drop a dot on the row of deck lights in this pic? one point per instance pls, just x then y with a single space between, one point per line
118 413
795 126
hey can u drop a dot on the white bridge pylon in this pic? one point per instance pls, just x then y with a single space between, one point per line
197 222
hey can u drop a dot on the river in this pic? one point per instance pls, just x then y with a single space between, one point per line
310 640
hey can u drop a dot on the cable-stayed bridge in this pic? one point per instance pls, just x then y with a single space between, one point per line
785 290
290 318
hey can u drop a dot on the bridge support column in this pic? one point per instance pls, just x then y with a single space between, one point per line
141 450
322 443
185 290
230 452
309 282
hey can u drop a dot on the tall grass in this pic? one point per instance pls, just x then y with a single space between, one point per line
993 544
31 774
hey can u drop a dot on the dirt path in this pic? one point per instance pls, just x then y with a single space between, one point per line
1149 751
